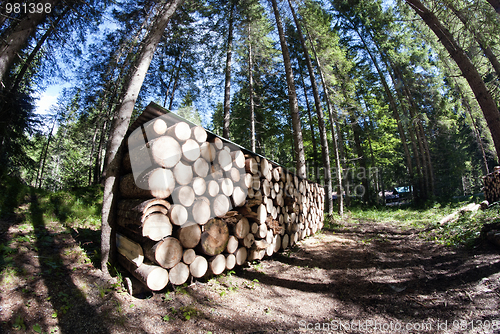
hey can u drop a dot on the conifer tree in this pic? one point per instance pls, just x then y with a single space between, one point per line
121 122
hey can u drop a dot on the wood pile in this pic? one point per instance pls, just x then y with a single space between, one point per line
492 186
193 205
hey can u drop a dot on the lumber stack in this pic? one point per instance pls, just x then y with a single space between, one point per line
492 186
192 204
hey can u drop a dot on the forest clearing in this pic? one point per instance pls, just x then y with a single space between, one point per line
386 266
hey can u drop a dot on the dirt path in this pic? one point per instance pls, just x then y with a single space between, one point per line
368 277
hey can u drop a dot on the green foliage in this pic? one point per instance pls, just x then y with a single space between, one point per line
184 312
465 230
407 217
217 119
37 328
18 122
350 38
19 323
13 194
189 311
181 289
462 231
253 284
81 207
167 297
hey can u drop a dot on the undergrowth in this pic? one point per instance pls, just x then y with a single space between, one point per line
13 193
80 207
465 230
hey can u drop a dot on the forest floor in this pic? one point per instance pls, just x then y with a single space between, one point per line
359 276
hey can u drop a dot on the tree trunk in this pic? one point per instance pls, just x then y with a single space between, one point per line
392 104
292 98
478 37
417 154
368 126
178 58
35 51
311 126
319 112
356 129
120 126
227 85
496 5
176 79
92 150
477 134
98 158
115 85
417 135
343 158
338 168
13 43
483 96
39 179
250 86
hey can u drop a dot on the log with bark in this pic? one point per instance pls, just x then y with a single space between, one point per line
214 238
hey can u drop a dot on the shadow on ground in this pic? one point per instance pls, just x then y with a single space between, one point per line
74 313
383 269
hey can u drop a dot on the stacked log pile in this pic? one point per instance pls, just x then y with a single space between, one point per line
194 205
492 186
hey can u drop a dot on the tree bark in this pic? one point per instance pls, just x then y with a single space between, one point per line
338 168
416 129
477 134
97 163
176 79
92 150
250 86
292 98
483 96
35 51
319 112
39 179
392 104
170 79
356 129
120 125
478 37
311 127
13 43
227 85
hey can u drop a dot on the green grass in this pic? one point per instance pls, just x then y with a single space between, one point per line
79 207
463 231
406 217
13 194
